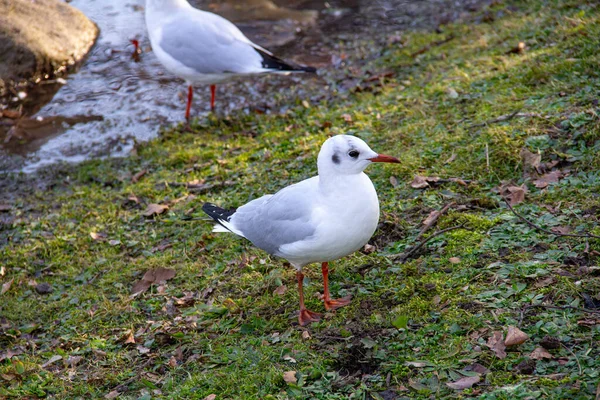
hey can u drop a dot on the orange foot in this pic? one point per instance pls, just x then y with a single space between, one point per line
306 317
334 304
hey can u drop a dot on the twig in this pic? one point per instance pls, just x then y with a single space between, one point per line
528 222
507 117
434 220
574 355
406 255
434 44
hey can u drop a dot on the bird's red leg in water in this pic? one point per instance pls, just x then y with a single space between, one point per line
331 304
306 316
213 89
189 103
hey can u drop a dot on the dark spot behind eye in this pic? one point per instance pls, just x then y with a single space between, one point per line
353 153
335 158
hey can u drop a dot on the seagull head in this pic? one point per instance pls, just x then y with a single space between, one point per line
347 155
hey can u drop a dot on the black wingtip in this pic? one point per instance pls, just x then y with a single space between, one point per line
269 61
217 213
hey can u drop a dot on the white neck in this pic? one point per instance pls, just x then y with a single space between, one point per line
165 4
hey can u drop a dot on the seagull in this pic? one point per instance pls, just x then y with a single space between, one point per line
317 220
202 47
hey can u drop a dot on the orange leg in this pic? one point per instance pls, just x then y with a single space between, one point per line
213 89
189 102
331 304
306 316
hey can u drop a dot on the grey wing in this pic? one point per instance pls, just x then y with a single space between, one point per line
272 221
209 47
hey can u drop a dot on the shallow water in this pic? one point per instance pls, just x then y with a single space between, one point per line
114 101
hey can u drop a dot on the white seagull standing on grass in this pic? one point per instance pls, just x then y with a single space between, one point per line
202 47
319 219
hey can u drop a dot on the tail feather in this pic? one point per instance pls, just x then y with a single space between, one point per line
221 217
271 62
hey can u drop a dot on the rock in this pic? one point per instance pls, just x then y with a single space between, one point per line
41 39
43 288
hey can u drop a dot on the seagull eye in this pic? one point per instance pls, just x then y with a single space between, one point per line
353 153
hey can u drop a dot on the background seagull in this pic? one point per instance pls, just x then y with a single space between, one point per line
319 219
202 47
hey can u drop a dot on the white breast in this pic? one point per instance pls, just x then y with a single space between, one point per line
345 218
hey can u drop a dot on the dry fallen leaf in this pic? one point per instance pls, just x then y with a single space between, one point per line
280 290
514 194
155 209
530 160
155 275
454 260
129 337
290 377
211 397
540 353
561 229
347 117
98 236
369 248
546 179
464 383
305 335
394 181
515 336
6 286
137 176
421 182
496 344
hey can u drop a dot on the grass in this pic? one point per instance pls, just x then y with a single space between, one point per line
218 327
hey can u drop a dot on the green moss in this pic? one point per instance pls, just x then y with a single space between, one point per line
236 337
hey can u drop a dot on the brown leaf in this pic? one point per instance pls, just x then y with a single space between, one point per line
394 181
369 248
515 336
530 160
496 344
421 182
347 117
6 286
454 260
155 209
540 353
280 290
140 286
561 229
159 274
514 194
134 198
151 276
72 361
464 383
211 397
476 367
128 338
98 236
546 179
137 176
290 377
305 335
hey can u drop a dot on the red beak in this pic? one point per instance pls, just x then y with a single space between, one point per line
384 158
